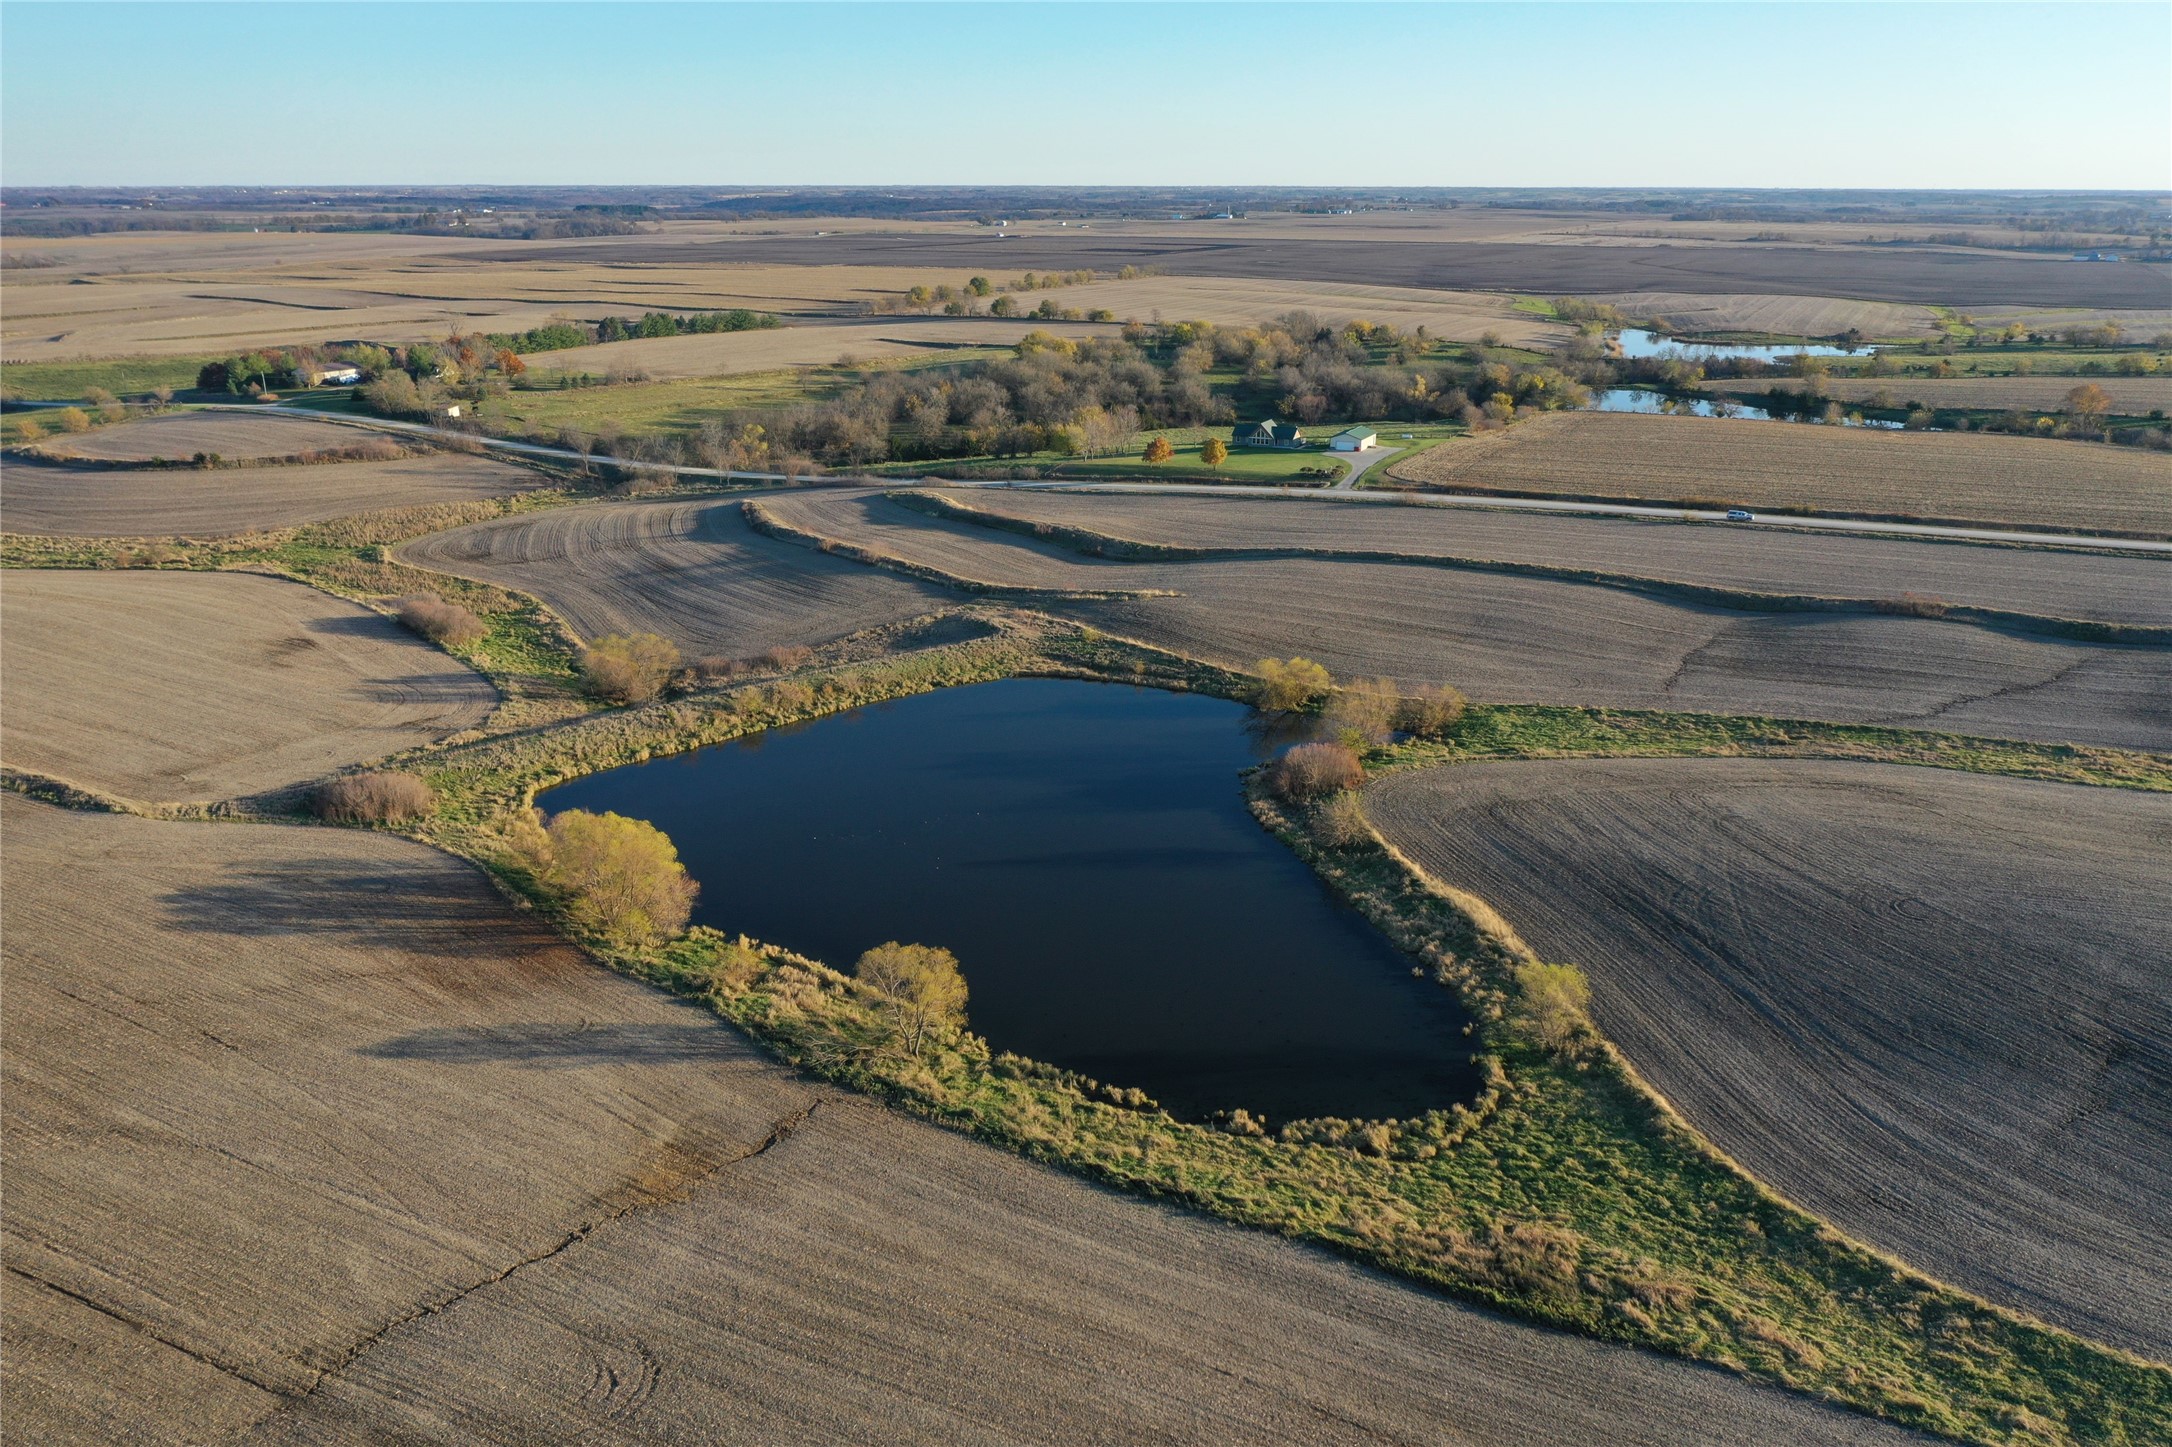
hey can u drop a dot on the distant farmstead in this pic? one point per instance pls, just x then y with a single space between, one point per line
1354 439
339 375
1268 434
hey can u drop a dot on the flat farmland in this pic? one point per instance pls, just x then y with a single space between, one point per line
1981 478
1455 316
1509 639
1930 1006
717 354
236 436
168 686
1553 267
2131 396
310 1138
691 571
1786 316
2104 588
201 503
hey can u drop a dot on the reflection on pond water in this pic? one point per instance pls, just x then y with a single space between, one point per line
1086 851
1651 400
1637 343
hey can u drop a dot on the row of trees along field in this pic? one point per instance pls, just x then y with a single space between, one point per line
458 359
981 297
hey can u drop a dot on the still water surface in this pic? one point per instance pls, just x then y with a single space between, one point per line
1086 851
1638 343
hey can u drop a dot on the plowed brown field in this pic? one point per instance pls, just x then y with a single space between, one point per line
189 686
2131 396
310 1139
2114 589
1933 1007
691 571
233 435
188 502
1974 477
1508 639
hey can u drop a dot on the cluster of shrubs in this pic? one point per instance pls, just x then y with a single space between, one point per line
373 798
441 622
618 878
628 667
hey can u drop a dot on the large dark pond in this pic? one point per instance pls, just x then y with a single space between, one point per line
1086 851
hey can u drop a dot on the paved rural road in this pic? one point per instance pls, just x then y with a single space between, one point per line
1346 491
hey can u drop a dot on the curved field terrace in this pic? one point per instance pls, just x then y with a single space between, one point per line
170 686
1935 1008
149 502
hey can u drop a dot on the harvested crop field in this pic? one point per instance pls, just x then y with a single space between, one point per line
717 354
1926 276
2131 396
235 436
691 571
202 503
1452 315
1933 1007
1981 478
2040 581
1508 639
309 1137
168 686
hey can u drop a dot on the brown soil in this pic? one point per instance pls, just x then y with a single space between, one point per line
2131 396
1930 1006
688 570
235 436
174 687
2053 584
1507 639
308 1134
188 502
1925 276
1977 477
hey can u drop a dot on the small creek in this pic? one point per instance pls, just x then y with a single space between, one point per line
1086 851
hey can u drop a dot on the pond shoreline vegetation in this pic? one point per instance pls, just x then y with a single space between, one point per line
1566 1193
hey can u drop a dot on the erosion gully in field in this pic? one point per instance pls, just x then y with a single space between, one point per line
172 686
334 1148
1930 1006
1507 638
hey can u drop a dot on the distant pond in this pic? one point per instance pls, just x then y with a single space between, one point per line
1651 400
1086 851
1638 343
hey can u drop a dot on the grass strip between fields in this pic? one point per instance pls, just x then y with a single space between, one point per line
1091 543
1566 1192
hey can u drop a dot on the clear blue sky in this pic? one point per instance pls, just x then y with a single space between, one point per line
1736 94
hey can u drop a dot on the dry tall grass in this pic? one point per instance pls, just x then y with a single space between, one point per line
1313 771
374 798
440 621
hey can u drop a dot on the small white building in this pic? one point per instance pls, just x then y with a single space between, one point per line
336 375
453 410
1354 439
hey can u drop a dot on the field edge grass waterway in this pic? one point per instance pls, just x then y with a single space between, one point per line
1567 1193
